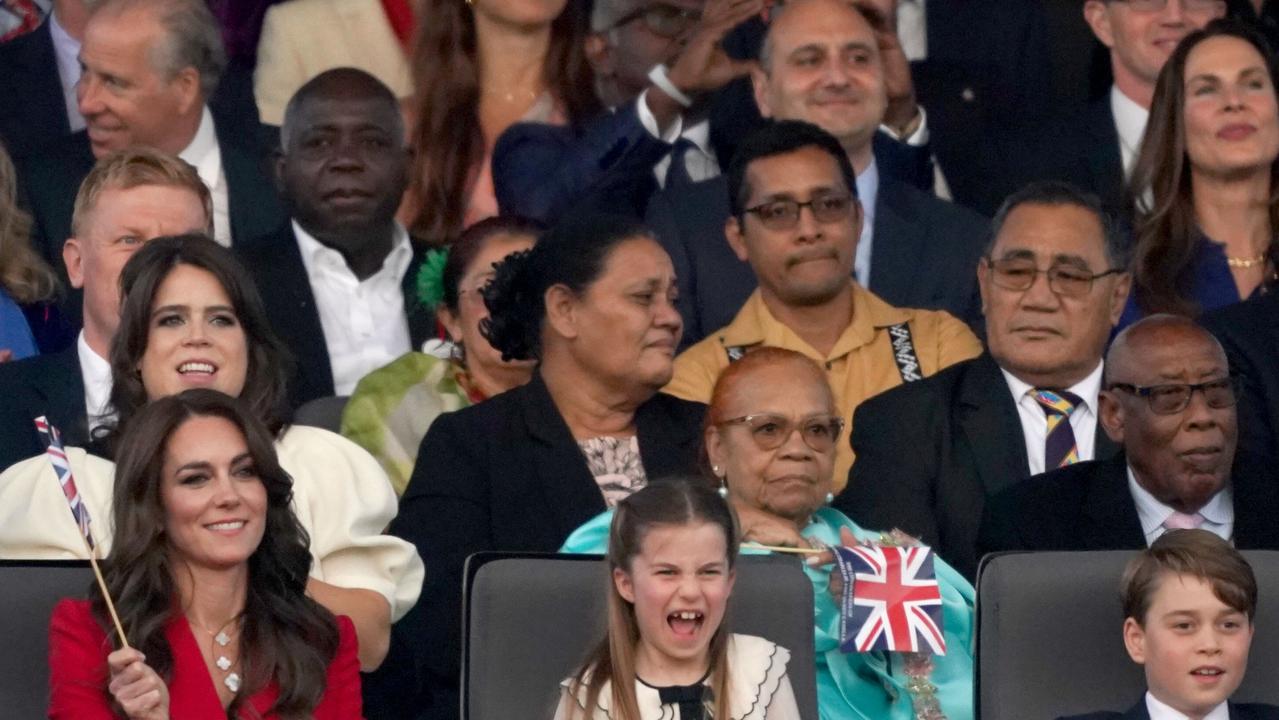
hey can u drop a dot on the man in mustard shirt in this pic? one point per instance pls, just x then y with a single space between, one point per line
796 220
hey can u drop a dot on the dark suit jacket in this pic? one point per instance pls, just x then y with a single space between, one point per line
1249 331
540 170
275 261
1087 506
49 385
988 64
506 474
52 180
34 113
930 454
1139 712
924 254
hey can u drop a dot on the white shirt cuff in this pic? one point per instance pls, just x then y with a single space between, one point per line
650 123
917 138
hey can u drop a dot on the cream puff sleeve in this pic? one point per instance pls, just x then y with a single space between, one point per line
35 519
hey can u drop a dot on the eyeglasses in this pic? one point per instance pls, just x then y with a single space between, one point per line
1173 398
769 431
1017 274
668 21
1187 5
784 214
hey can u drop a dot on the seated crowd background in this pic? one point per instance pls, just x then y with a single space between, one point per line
664 280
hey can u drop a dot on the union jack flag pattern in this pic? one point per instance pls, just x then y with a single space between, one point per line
62 468
891 600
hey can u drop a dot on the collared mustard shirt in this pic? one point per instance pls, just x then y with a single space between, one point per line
860 365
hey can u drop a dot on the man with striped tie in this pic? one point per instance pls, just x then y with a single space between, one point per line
1169 399
929 454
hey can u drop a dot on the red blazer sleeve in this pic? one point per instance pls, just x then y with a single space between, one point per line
342 700
78 650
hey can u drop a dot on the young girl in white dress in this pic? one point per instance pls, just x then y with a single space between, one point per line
672 549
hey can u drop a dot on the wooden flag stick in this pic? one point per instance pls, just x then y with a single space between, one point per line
785 549
102 585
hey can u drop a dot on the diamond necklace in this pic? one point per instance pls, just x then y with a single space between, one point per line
219 647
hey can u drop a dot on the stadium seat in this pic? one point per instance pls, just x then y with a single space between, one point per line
1049 637
30 590
323 412
530 620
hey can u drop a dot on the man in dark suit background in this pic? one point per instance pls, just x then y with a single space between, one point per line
38 75
914 251
149 68
128 198
1249 332
1170 401
338 280
929 454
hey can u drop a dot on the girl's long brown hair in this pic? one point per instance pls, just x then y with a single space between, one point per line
1166 229
446 136
666 502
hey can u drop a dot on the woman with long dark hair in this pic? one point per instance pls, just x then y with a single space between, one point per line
208 574
1204 184
480 66
192 318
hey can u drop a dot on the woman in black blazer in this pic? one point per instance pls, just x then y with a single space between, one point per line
594 303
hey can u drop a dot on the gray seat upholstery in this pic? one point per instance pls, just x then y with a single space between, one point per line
325 412
1049 639
28 591
531 619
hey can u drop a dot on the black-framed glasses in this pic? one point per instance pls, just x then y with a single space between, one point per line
1019 274
1172 398
1159 5
784 214
668 21
770 431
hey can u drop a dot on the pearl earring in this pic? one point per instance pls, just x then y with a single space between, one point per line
830 498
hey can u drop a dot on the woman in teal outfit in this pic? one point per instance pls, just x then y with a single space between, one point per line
779 482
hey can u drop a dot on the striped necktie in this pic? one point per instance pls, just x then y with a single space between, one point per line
1059 445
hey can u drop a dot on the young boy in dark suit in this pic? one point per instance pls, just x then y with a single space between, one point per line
1189 601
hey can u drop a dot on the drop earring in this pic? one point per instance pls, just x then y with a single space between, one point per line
723 482
830 498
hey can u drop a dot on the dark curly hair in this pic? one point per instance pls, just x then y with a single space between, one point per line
572 254
268 361
472 242
286 636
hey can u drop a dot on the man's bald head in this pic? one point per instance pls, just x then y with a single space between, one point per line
339 83
1170 401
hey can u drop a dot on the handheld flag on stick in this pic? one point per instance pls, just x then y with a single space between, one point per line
891 600
62 468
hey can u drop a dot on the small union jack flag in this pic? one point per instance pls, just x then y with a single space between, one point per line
62 468
891 600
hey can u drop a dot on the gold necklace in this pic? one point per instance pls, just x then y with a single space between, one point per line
1246 262
511 96
221 640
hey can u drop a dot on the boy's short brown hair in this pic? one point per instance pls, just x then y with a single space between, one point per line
1197 553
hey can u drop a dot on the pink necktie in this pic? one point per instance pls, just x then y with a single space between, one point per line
1182 521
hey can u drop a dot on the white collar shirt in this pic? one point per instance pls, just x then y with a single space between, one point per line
699 161
1130 124
95 371
206 157
1160 711
1034 421
364 321
1218 513
867 195
66 50
912 29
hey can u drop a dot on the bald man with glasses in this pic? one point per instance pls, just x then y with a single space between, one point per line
796 220
1169 399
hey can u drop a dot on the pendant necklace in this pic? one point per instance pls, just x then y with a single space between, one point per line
221 640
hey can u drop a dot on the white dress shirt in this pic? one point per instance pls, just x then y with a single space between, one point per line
1130 123
1218 514
1160 711
699 161
206 157
363 320
1034 421
912 29
867 194
95 371
66 50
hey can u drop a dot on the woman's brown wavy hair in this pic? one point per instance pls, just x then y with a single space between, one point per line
1166 229
285 636
23 273
447 140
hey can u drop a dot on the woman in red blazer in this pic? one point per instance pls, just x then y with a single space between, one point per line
208 574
